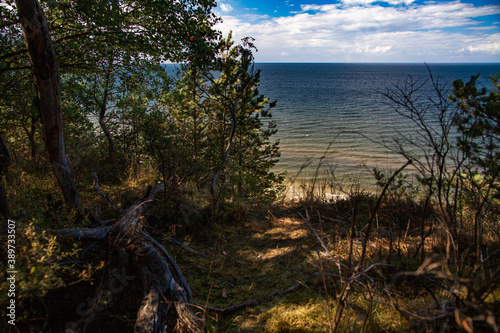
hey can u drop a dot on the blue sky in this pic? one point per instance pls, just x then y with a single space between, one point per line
366 31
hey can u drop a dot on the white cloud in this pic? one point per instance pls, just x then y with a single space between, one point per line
492 48
482 28
373 49
226 8
322 8
370 33
255 17
368 2
489 46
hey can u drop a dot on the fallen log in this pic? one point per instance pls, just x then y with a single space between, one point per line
165 306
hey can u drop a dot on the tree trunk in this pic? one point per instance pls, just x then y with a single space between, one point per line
165 304
4 164
109 137
31 137
213 191
46 78
102 114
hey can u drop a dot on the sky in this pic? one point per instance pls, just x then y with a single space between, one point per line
402 31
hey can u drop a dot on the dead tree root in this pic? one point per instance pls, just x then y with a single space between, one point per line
165 305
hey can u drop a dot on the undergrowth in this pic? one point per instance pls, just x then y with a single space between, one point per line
361 262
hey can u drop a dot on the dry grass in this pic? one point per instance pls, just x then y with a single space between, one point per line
270 249
255 253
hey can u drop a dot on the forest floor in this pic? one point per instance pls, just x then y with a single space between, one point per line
263 267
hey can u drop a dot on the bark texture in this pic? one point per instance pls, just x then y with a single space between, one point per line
4 165
103 106
47 81
165 306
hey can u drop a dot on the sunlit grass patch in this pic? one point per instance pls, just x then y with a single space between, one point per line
284 228
310 317
313 316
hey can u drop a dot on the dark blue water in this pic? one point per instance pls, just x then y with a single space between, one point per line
340 108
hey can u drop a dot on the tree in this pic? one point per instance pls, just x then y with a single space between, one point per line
4 163
253 155
84 32
213 128
478 121
237 150
454 149
99 40
432 151
138 35
47 81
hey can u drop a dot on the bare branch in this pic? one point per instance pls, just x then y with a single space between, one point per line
338 263
105 195
100 232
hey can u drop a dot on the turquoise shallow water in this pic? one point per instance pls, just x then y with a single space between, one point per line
338 111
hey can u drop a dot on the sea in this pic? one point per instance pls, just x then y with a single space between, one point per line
335 125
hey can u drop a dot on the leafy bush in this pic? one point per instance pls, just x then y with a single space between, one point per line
41 265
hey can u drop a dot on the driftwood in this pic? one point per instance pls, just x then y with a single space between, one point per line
167 297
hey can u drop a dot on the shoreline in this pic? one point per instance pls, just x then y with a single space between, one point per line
328 192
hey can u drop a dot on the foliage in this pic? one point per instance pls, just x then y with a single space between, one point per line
85 32
124 117
102 48
458 169
212 126
42 265
120 110
114 87
479 123
240 111
166 144
400 187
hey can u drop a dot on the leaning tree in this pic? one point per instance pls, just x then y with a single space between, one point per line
51 39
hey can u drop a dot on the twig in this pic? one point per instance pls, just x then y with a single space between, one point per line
377 205
338 263
392 304
105 195
253 302
176 242
363 273
233 308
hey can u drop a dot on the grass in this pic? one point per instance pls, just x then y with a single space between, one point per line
267 257
263 254
268 250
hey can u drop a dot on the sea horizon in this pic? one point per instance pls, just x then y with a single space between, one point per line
383 63
336 113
